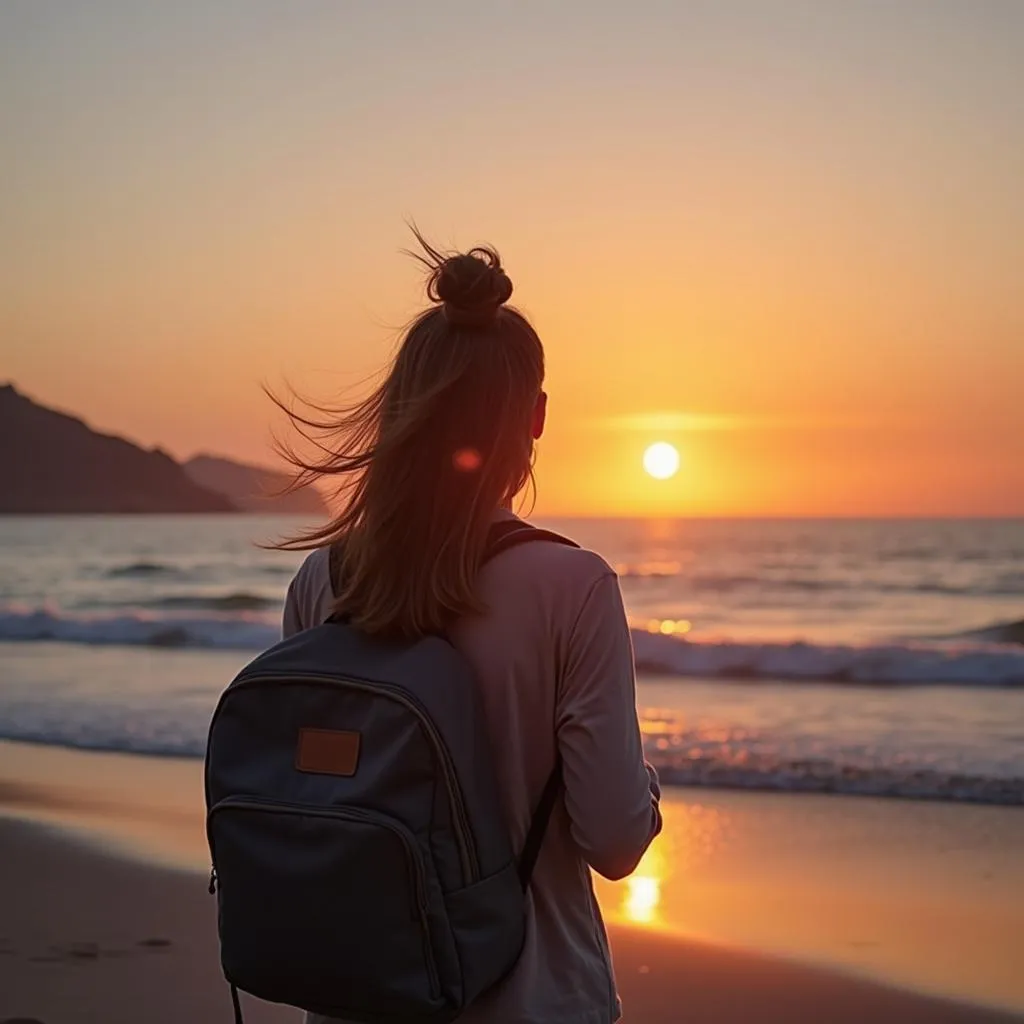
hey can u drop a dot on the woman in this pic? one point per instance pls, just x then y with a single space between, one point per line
426 464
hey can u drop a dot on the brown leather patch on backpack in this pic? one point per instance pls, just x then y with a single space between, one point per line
327 752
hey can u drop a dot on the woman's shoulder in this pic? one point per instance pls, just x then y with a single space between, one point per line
315 568
546 595
310 590
561 561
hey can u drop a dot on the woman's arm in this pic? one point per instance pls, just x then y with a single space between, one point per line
611 794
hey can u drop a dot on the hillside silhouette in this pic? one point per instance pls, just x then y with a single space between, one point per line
51 462
253 488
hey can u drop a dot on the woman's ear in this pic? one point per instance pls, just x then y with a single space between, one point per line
540 413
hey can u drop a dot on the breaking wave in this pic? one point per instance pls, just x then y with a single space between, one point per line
975 660
1010 584
240 601
140 570
137 630
965 663
827 776
166 725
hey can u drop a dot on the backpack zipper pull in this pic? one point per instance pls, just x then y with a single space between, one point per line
213 881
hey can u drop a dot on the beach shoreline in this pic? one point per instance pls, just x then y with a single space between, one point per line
92 934
105 859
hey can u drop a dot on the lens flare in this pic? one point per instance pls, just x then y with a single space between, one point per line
467 460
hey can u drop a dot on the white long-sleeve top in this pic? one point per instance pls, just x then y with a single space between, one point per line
554 662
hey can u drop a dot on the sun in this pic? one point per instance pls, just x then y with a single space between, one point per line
661 460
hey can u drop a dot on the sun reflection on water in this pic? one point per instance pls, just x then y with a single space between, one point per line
659 893
641 899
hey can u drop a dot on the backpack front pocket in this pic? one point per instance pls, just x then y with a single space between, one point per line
318 902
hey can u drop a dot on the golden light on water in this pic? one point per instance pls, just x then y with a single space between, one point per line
641 893
640 903
664 891
669 627
648 569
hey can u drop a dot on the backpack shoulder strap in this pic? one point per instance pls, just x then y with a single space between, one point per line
503 535
539 824
510 533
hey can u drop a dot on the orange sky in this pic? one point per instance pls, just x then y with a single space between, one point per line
786 237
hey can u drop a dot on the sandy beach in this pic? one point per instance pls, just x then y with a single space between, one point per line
106 915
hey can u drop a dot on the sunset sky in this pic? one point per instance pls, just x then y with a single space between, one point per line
786 237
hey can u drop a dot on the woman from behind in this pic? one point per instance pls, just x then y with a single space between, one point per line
425 466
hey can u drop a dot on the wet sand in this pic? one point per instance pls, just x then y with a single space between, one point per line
106 915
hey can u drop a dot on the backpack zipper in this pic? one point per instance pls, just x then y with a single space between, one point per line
460 818
414 862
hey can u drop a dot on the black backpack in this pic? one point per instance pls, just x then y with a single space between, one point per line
361 865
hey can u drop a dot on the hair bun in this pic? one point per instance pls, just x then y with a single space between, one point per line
472 286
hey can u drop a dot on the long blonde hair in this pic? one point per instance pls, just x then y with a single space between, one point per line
423 463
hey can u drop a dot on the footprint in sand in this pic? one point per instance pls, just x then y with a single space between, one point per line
82 951
72 951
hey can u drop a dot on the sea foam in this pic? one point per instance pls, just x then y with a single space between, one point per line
964 662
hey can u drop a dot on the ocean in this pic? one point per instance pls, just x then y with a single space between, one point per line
848 657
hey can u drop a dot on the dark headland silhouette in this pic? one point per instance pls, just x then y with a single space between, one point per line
51 462
252 488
